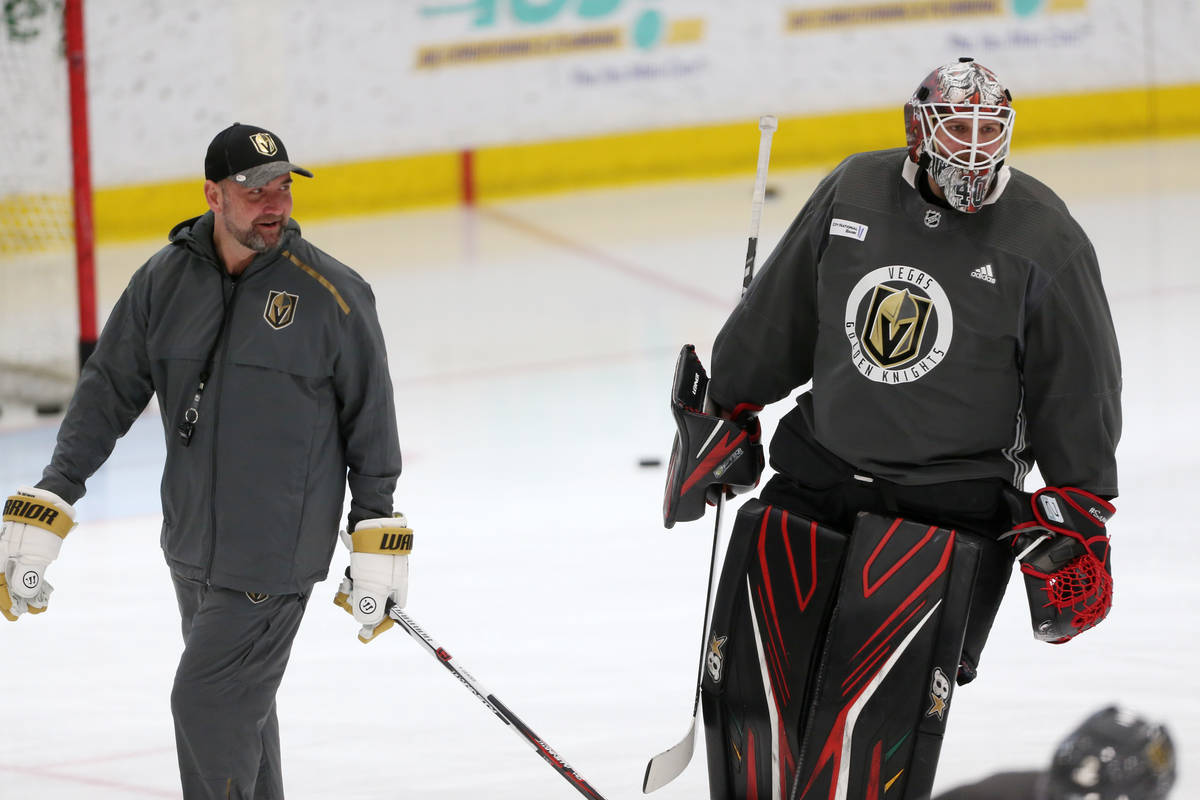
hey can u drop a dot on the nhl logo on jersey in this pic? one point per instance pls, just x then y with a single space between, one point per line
281 309
898 323
933 218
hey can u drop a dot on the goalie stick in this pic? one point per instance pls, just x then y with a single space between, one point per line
669 764
491 701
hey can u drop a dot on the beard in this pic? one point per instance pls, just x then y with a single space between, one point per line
252 237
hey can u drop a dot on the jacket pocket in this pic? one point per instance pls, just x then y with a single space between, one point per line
269 419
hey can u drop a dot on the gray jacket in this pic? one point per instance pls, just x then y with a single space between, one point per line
299 401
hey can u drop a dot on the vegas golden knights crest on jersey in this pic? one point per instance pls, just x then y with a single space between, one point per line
899 324
895 326
281 309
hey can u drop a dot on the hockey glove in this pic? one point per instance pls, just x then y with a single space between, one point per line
35 523
745 417
711 453
378 574
1064 554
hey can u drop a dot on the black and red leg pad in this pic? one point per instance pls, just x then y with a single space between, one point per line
772 605
832 658
879 706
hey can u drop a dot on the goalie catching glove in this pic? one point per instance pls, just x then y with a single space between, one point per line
1064 555
711 454
35 523
378 573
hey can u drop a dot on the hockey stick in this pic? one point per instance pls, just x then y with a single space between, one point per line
669 764
491 701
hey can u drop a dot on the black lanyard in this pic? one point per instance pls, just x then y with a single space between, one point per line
192 414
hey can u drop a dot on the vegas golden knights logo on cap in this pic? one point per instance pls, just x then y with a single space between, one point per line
263 143
895 326
281 309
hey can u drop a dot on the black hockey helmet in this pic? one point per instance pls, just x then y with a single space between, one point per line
1113 755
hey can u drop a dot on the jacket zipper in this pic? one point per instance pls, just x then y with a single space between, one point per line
222 347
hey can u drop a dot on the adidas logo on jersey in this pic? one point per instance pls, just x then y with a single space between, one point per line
985 273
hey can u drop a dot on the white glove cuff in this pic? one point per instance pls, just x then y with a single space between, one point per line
32 546
398 521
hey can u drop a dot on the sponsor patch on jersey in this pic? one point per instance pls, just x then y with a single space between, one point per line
851 230
898 323
281 309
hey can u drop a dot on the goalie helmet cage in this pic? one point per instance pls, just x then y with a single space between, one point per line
48 321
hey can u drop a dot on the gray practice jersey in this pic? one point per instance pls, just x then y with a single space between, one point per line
941 346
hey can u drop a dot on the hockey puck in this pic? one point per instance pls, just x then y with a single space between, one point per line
47 409
770 192
650 462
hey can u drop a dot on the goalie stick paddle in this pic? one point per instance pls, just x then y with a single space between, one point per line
492 702
670 764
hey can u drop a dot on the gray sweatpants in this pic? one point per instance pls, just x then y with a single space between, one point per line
223 701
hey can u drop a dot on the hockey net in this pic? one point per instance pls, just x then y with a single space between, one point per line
39 319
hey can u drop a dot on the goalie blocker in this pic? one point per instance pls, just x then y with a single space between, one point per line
709 451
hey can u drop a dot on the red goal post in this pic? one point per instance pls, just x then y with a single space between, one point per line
48 320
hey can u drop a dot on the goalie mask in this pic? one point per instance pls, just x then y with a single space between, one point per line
959 127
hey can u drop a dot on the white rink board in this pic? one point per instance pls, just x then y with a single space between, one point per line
341 83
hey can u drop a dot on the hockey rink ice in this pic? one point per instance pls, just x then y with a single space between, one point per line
532 344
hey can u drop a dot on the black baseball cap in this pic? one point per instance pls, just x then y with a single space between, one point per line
251 155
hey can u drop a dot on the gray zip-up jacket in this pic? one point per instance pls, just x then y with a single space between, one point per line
941 346
298 402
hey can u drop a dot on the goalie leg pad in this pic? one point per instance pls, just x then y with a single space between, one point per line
772 605
879 707
832 658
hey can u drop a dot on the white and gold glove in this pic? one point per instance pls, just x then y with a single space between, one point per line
378 574
35 523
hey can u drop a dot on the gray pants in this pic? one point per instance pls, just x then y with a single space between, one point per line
223 701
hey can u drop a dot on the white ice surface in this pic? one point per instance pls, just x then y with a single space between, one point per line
532 344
